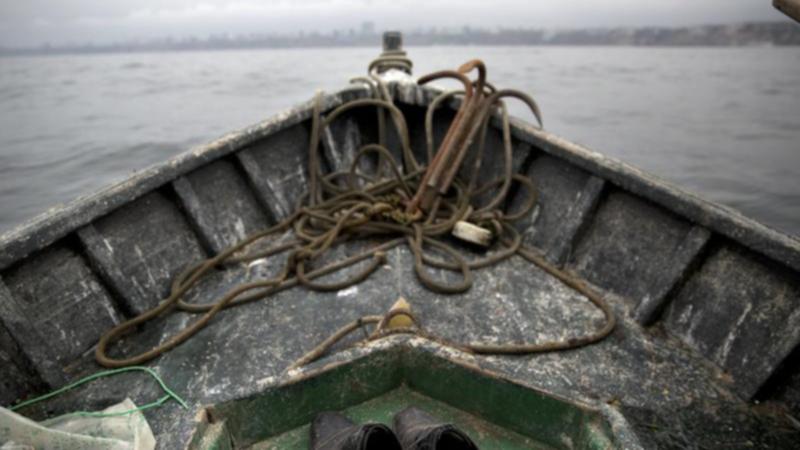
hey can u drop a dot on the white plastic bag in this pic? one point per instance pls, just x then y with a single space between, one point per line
75 431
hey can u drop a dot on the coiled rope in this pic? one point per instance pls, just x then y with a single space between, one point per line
349 205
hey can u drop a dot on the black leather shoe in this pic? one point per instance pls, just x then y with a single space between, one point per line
333 431
418 430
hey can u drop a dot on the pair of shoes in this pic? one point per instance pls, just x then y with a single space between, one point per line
414 429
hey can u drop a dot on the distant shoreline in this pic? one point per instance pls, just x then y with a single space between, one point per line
753 34
11 53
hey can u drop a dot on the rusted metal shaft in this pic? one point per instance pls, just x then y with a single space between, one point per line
451 154
427 191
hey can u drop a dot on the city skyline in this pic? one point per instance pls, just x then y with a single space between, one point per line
754 33
76 22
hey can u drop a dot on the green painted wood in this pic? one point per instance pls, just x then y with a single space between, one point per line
381 409
212 436
279 409
496 412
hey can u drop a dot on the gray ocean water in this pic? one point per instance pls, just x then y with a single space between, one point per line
721 122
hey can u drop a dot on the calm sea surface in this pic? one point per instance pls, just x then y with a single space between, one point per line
722 122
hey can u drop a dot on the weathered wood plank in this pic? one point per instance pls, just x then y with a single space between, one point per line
340 143
415 121
566 196
42 357
56 309
630 247
577 219
277 167
682 260
17 380
220 204
140 248
742 312
784 384
493 162
717 218
411 93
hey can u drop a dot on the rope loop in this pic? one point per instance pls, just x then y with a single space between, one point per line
382 192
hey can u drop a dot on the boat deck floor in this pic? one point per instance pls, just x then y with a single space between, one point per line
672 396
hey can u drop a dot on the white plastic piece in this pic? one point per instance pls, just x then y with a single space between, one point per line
472 233
397 76
71 432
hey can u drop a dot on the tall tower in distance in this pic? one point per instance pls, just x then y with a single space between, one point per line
367 28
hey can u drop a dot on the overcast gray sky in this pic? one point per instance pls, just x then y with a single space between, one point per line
33 22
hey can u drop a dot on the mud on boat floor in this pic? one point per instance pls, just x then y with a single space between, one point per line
672 396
